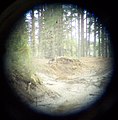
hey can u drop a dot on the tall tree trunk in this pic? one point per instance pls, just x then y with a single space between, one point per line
33 32
60 30
82 33
71 30
86 35
71 34
79 49
99 40
39 30
42 34
102 42
94 37
89 35
105 44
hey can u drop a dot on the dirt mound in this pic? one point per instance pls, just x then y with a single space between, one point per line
64 60
64 67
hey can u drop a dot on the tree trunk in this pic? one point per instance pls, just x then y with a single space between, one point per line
99 40
102 42
33 32
82 33
79 49
94 37
89 34
86 34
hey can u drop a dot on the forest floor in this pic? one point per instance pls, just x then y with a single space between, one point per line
65 85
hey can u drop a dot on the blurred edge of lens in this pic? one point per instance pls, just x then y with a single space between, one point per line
7 20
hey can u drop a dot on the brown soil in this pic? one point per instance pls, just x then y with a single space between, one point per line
66 68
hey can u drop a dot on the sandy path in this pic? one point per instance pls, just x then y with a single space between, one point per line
63 96
67 96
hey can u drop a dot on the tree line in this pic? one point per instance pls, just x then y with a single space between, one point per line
53 30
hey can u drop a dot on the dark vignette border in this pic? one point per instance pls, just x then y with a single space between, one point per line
11 106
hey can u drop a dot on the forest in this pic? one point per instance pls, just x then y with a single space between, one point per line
52 48
61 30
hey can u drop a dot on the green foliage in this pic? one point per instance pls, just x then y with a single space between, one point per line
18 50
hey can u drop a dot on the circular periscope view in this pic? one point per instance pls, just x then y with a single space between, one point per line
59 59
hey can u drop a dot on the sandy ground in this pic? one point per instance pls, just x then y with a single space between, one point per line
62 92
